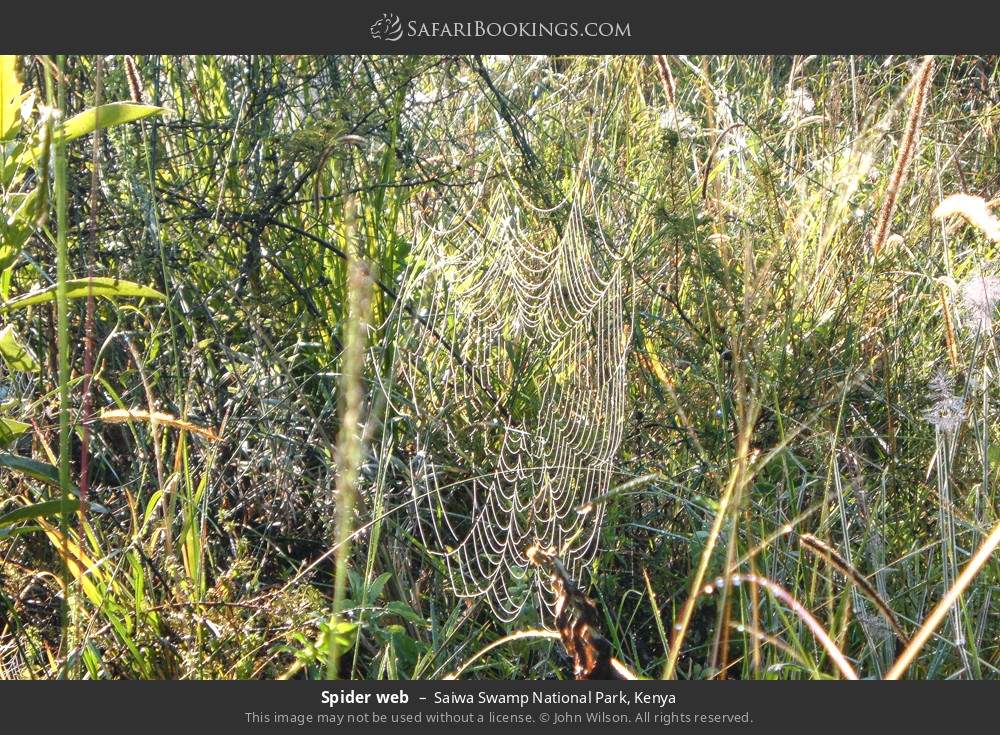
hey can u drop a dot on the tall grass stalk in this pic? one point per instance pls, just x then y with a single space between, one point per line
922 82
947 602
944 441
736 478
88 329
62 329
666 79
349 440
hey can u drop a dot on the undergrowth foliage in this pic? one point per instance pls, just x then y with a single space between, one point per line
336 340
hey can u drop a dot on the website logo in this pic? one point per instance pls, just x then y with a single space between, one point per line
387 28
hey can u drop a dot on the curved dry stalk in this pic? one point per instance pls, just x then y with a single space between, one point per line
126 415
941 610
711 156
830 555
519 635
819 633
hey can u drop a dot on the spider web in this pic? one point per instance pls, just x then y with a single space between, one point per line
516 375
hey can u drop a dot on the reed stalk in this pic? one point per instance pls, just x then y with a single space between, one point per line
908 144
349 440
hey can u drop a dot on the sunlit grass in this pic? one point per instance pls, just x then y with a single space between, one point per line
810 310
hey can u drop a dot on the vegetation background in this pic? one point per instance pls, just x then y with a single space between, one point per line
208 434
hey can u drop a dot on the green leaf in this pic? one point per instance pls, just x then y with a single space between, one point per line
80 287
154 500
10 97
12 237
344 632
105 116
405 648
400 608
16 355
376 587
17 222
21 531
10 429
993 454
41 471
39 510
